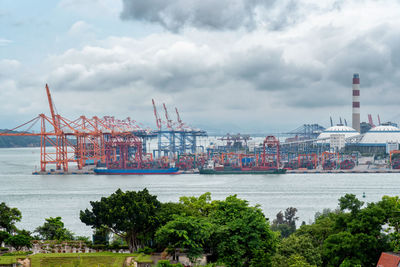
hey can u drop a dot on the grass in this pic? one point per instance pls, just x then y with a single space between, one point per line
10 259
100 259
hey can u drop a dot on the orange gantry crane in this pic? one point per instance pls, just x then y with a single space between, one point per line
63 141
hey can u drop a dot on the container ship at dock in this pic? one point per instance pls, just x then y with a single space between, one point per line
212 168
136 171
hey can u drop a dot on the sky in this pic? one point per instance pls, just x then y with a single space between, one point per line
248 66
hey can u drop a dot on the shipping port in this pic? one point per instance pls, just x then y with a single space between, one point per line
108 145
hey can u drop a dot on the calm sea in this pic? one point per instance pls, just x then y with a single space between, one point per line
40 197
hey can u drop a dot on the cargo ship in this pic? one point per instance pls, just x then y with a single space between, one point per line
107 171
212 169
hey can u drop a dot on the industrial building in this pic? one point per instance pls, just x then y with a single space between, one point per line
380 139
362 139
346 131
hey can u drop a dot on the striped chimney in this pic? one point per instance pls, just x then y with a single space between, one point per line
356 102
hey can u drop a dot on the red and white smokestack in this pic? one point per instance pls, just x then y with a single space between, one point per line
356 102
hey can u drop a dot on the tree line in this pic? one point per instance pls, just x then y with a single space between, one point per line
231 232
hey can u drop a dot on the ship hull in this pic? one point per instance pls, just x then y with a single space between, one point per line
136 171
271 171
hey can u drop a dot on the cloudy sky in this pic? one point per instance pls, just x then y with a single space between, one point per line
228 65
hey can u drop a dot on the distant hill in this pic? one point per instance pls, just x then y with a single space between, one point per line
19 141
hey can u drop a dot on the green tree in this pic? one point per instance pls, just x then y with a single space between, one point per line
358 237
242 235
166 263
101 236
3 236
169 210
285 223
391 206
296 260
318 232
19 241
131 215
298 246
8 218
187 233
351 203
198 206
53 229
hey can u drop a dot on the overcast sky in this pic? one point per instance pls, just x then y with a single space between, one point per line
229 65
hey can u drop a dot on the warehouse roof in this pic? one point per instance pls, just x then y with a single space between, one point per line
338 129
382 134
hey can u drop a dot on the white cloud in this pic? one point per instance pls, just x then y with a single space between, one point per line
4 42
280 73
80 28
9 65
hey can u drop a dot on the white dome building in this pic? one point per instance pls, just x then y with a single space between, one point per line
338 129
381 135
335 136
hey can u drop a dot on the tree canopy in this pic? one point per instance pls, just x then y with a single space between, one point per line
8 218
285 223
19 241
242 236
187 233
53 229
131 215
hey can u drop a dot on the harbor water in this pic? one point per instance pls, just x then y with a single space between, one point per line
39 197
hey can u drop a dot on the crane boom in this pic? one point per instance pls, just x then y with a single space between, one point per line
370 120
178 116
158 120
53 114
169 122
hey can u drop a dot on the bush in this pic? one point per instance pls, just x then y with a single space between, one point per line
85 239
146 250
99 246
116 246
18 253
166 263
19 241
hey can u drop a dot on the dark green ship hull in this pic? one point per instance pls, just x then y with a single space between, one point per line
208 171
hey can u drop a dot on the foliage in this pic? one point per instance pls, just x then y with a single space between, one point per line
83 259
392 207
187 233
131 215
298 246
233 233
166 263
146 250
101 236
8 218
285 223
53 229
19 241
168 210
318 231
296 260
18 253
85 239
198 206
353 235
351 203
242 236
356 236
3 236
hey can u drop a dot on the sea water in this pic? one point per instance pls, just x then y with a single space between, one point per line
39 197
